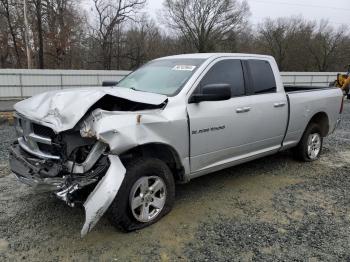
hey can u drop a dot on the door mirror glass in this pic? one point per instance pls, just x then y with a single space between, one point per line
212 92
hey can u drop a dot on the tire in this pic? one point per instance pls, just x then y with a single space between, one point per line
302 151
140 172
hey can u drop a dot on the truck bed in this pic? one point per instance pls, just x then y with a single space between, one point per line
303 105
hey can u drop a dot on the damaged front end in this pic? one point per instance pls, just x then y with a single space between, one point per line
77 170
62 149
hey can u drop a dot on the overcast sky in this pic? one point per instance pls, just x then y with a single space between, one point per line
336 11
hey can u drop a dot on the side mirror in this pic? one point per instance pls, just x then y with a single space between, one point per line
212 92
109 83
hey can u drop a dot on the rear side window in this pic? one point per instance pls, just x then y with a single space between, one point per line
262 75
226 72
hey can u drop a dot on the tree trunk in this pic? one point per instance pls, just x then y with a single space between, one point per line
118 47
40 34
12 32
26 35
106 54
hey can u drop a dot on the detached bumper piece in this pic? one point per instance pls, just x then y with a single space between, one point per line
103 195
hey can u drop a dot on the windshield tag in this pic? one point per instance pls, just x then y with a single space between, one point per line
184 68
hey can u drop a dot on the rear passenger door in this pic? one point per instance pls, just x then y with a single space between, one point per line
269 108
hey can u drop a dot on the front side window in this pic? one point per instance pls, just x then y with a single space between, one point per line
226 72
166 77
262 77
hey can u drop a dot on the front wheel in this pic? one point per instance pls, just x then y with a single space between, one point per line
310 146
145 196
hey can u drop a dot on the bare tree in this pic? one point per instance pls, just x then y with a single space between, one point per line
63 24
6 6
279 38
110 15
205 22
143 42
26 34
118 36
326 45
38 14
4 43
298 57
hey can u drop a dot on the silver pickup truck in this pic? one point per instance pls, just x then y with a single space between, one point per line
120 150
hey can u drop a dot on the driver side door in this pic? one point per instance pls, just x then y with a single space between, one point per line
219 130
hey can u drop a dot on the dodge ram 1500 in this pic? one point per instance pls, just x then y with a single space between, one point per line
120 150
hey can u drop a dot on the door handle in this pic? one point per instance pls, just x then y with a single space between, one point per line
243 110
279 104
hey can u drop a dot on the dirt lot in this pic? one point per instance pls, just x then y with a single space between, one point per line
271 209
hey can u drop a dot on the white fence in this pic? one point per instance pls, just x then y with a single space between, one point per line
16 84
26 83
308 78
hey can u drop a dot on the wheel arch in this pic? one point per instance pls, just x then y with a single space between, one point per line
321 118
161 151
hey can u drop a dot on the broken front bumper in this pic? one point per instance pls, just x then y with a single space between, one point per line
37 173
34 172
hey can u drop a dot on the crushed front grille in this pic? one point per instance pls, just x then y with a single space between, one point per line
35 139
43 131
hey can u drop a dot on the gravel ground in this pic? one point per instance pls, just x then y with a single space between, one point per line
272 209
7 105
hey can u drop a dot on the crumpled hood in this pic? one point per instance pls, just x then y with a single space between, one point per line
62 110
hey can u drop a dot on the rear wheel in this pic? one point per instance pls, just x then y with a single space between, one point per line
310 146
146 195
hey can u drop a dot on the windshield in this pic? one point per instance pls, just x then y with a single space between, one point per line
166 77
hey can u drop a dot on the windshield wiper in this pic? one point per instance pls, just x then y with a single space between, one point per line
138 90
